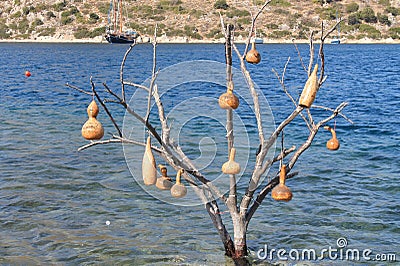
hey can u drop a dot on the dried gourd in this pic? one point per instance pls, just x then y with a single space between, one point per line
149 171
178 190
228 100
310 89
281 192
253 56
163 182
332 144
92 129
231 167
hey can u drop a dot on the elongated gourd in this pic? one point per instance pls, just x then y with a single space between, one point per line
333 144
178 190
149 171
163 182
92 129
228 100
231 167
281 192
253 56
310 89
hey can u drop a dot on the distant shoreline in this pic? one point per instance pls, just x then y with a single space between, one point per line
184 40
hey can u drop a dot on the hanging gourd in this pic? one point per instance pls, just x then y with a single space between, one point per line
178 190
281 192
310 89
231 167
253 56
149 171
228 100
332 144
92 129
163 182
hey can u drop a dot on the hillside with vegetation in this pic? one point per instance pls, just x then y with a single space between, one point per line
195 20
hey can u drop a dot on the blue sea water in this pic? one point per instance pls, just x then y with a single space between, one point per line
55 201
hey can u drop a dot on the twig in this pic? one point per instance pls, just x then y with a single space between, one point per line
121 72
105 108
78 89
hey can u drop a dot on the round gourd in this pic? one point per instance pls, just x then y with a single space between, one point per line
92 129
333 144
281 192
231 167
253 56
163 182
178 190
228 100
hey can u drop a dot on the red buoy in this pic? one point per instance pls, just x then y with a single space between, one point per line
27 73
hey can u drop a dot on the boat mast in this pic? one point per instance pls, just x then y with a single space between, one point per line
120 16
115 17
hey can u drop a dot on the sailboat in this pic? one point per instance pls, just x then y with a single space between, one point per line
336 40
114 31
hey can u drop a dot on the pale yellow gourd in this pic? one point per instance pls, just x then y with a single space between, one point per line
178 190
310 89
253 56
164 182
281 192
92 129
332 144
231 167
149 171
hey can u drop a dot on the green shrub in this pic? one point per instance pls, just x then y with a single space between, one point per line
82 33
3 31
103 8
66 20
383 19
47 32
370 31
50 15
234 12
16 15
93 17
282 3
384 2
37 22
280 34
221 4
368 15
353 19
352 7
394 11
60 6
394 33
23 26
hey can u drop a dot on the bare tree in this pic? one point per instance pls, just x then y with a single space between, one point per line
241 211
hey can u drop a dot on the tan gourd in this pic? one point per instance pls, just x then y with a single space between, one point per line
231 167
163 182
310 89
332 144
92 129
178 190
281 192
149 171
253 56
228 100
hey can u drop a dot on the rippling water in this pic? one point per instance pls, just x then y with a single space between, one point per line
55 201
